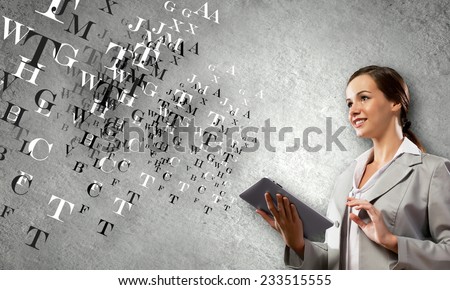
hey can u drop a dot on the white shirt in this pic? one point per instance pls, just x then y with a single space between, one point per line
353 230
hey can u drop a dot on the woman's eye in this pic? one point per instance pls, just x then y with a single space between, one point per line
364 98
349 105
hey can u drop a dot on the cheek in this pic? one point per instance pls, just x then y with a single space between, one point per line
379 113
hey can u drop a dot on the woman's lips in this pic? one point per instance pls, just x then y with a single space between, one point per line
358 123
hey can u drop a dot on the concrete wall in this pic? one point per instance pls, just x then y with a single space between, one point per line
286 62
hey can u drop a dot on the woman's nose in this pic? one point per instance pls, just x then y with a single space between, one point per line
354 109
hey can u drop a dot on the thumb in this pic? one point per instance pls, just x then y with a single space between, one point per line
267 218
357 220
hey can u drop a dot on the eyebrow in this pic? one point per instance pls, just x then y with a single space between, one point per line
347 99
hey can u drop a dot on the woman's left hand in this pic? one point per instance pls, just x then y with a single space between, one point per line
376 229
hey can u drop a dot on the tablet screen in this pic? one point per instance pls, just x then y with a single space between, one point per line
314 223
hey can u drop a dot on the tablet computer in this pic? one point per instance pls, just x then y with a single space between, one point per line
314 224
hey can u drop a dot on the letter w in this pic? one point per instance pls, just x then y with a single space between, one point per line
91 80
77 115
17 29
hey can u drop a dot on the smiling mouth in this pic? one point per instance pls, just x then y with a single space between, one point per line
359 122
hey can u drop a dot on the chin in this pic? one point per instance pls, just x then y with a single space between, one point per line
361 134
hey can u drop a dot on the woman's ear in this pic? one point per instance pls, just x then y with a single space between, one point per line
396 107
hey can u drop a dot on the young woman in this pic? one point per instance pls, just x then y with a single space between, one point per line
391 206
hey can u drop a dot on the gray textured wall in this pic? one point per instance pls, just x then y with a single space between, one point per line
299 53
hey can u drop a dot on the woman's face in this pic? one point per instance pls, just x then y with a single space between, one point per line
370 113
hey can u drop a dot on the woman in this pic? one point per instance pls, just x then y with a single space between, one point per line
391 206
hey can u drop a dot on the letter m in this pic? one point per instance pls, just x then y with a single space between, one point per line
86 27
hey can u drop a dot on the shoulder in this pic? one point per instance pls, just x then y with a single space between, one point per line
433 162
433 167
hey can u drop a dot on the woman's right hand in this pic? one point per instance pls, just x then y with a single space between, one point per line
286 221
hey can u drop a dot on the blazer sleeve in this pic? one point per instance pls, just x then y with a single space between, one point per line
315 257
434 253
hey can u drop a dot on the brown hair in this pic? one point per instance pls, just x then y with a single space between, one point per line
395 90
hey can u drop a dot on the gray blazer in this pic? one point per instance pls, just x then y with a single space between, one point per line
413 195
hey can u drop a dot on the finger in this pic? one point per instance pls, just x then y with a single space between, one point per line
357 220
270 205
280 203
295 216
352 200
358 202
368 207
373 213
287 208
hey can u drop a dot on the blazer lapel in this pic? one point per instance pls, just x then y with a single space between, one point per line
343 187
394 174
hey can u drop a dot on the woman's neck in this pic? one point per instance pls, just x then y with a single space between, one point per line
385 147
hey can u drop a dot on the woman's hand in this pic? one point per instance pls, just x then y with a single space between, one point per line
376 229
286 221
